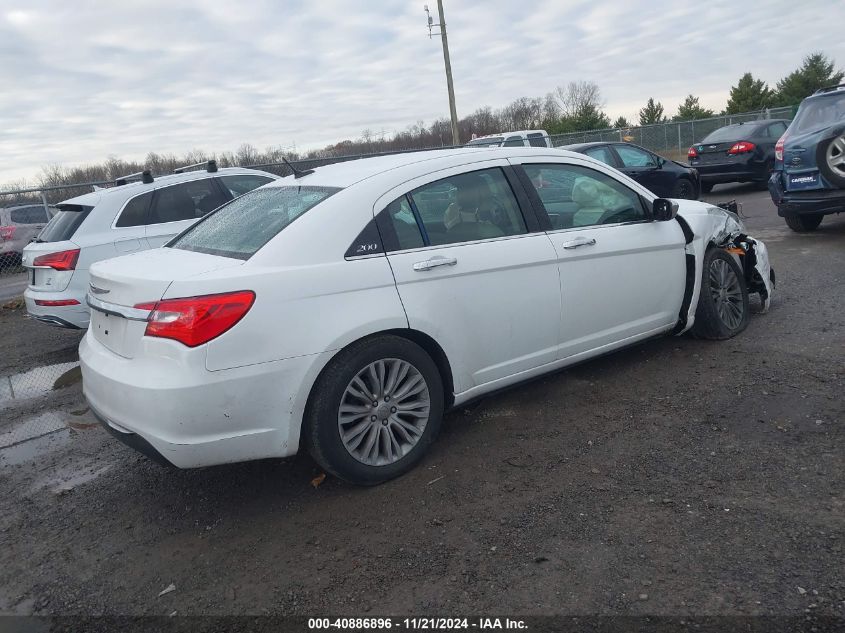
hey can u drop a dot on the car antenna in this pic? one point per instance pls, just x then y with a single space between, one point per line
297 173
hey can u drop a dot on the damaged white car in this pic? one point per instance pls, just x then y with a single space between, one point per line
342 310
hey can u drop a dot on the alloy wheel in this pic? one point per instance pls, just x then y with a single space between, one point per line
383 412
835 155
726 291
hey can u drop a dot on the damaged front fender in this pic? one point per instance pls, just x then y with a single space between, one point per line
707 226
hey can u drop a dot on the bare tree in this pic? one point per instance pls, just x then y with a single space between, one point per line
578 97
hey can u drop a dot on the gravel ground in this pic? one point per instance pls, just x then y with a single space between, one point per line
679 477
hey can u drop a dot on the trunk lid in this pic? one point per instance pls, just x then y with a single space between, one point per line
127 281
712 153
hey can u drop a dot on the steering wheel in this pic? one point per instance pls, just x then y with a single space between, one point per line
612 213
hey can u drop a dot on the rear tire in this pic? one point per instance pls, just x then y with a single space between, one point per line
684 189
374 410
722 310
706 187
804 223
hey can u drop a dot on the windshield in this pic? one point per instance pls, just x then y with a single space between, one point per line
247 223
490 141
817 114
63 225
734 132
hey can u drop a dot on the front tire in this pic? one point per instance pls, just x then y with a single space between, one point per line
722 310
374 410
804 223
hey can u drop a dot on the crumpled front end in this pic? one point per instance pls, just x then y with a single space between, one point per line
706 225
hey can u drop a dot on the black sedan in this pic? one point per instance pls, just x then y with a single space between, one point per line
742 152
663 177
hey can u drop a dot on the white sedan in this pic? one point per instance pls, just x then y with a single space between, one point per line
343 310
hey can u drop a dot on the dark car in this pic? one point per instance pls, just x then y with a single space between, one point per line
809 177
663 177
742 152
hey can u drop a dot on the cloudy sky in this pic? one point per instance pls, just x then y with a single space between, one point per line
80 81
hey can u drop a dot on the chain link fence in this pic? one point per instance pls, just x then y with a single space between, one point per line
673 139
39 373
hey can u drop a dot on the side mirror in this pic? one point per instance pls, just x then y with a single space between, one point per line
663 209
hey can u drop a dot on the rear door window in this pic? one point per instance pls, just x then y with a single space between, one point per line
466 207
603 154
29 215
240 184
135 212
247 223
185 201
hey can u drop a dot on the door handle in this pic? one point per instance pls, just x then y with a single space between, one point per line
579 241
434 262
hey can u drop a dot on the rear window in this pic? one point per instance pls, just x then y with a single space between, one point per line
64 224
29 215
730 133
817 114
247 223
536 140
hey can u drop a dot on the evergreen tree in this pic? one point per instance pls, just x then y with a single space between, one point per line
748 95
816 72
690 110
621 122
652 113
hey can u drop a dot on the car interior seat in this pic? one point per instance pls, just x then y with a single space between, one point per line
587 196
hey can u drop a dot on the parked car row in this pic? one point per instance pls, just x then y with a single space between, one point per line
343 310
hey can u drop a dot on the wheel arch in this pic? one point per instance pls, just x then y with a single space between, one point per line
426 342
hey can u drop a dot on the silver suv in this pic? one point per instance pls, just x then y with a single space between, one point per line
18 225
129 217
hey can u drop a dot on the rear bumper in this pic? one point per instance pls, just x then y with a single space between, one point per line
715 174
75 316
180 413
790 203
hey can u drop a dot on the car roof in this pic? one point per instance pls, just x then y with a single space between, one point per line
136 186
755 122
350 172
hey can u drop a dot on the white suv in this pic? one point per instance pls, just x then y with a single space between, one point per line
520 138
130 217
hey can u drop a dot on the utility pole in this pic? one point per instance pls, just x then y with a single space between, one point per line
442 24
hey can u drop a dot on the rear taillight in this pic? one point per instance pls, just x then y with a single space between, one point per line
196 320
56 302
7 232
779 148
742 147
64 260
692 153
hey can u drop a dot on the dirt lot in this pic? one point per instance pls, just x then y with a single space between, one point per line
678 477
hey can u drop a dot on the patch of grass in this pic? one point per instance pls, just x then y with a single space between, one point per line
14 304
